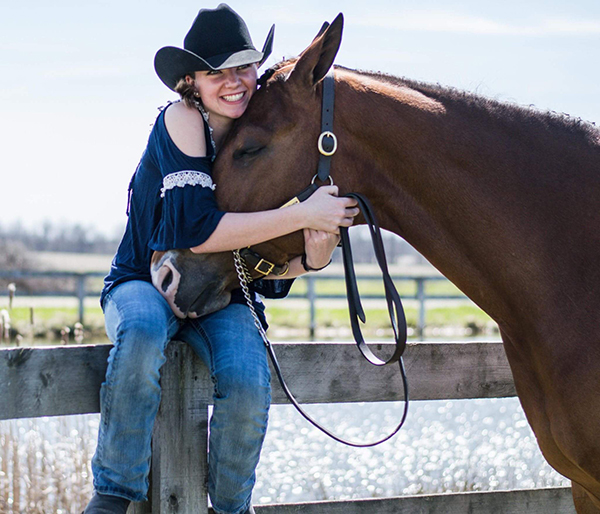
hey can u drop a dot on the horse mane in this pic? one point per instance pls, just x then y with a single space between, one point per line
497 109
494 108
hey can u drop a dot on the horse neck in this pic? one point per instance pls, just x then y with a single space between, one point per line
484 197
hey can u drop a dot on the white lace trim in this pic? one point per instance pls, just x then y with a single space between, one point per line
186 178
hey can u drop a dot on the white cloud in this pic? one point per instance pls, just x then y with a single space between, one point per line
86 71
437 20
441 21
37 47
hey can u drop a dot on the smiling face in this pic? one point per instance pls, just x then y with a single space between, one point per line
225 93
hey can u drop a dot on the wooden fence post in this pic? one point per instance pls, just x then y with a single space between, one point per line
81 280
421 297
312 298
179 443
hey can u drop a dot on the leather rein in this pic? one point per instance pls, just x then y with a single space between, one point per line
327 145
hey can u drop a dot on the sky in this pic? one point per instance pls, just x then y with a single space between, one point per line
78 91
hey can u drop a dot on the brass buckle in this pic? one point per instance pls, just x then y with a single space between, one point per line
320 143
286 267
270 267
293 201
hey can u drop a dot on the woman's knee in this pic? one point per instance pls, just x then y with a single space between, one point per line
143 330
136 314
140 346
249 391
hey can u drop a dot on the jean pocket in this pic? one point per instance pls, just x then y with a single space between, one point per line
107 297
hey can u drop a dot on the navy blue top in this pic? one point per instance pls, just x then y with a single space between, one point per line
172 205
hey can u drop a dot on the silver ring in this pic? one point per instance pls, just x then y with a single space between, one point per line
329 177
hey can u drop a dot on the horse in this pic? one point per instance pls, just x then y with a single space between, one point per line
502 199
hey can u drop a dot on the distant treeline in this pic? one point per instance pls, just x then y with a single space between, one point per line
65 237
59 237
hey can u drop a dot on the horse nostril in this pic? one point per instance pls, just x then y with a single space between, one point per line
167 281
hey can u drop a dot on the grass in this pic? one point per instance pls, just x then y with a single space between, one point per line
462 315
55 316
290 319
281 315
287 319
405 287
458 319
48 322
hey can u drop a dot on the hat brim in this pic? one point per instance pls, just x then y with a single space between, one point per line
172 63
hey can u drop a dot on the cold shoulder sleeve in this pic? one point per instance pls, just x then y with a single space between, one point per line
189 212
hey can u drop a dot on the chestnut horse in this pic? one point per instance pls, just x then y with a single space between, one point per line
503 200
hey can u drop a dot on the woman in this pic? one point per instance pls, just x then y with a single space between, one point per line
172 206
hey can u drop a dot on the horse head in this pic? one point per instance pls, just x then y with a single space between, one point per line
271 153
268 157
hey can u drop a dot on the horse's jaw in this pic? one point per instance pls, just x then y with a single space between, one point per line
194 285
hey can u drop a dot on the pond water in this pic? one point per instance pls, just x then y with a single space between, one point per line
458 445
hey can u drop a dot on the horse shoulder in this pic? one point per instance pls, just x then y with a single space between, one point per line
186 128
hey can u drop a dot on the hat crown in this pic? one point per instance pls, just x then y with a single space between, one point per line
218 39
218 31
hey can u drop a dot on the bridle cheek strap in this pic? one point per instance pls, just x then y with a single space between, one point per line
327 143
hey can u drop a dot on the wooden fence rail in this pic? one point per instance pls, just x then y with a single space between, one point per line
66 380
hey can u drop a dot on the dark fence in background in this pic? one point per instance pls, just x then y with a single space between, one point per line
81 290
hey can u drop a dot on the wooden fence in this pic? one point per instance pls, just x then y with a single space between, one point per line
66 380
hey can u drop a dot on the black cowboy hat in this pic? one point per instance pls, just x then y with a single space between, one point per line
218 39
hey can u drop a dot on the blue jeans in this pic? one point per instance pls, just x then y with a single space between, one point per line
139 322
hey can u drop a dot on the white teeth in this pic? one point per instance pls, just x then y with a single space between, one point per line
233 98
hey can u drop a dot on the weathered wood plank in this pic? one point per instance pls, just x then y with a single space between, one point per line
336 372
66 380
48 381
179 443
528 501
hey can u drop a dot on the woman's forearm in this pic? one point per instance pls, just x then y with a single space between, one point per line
238 230
322 211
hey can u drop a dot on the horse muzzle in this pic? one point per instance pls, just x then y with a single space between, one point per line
194 285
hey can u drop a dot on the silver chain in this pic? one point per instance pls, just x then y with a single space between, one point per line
244 277
206 117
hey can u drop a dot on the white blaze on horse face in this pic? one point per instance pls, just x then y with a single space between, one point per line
159 271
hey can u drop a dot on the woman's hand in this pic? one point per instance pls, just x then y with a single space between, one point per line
319 246
325 212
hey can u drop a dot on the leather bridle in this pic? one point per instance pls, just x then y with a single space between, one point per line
327 145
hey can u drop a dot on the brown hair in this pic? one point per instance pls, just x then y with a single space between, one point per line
187 92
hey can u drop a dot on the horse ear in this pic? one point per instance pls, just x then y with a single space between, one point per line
314 63
321 30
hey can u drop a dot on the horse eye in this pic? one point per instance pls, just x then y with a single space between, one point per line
247 153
